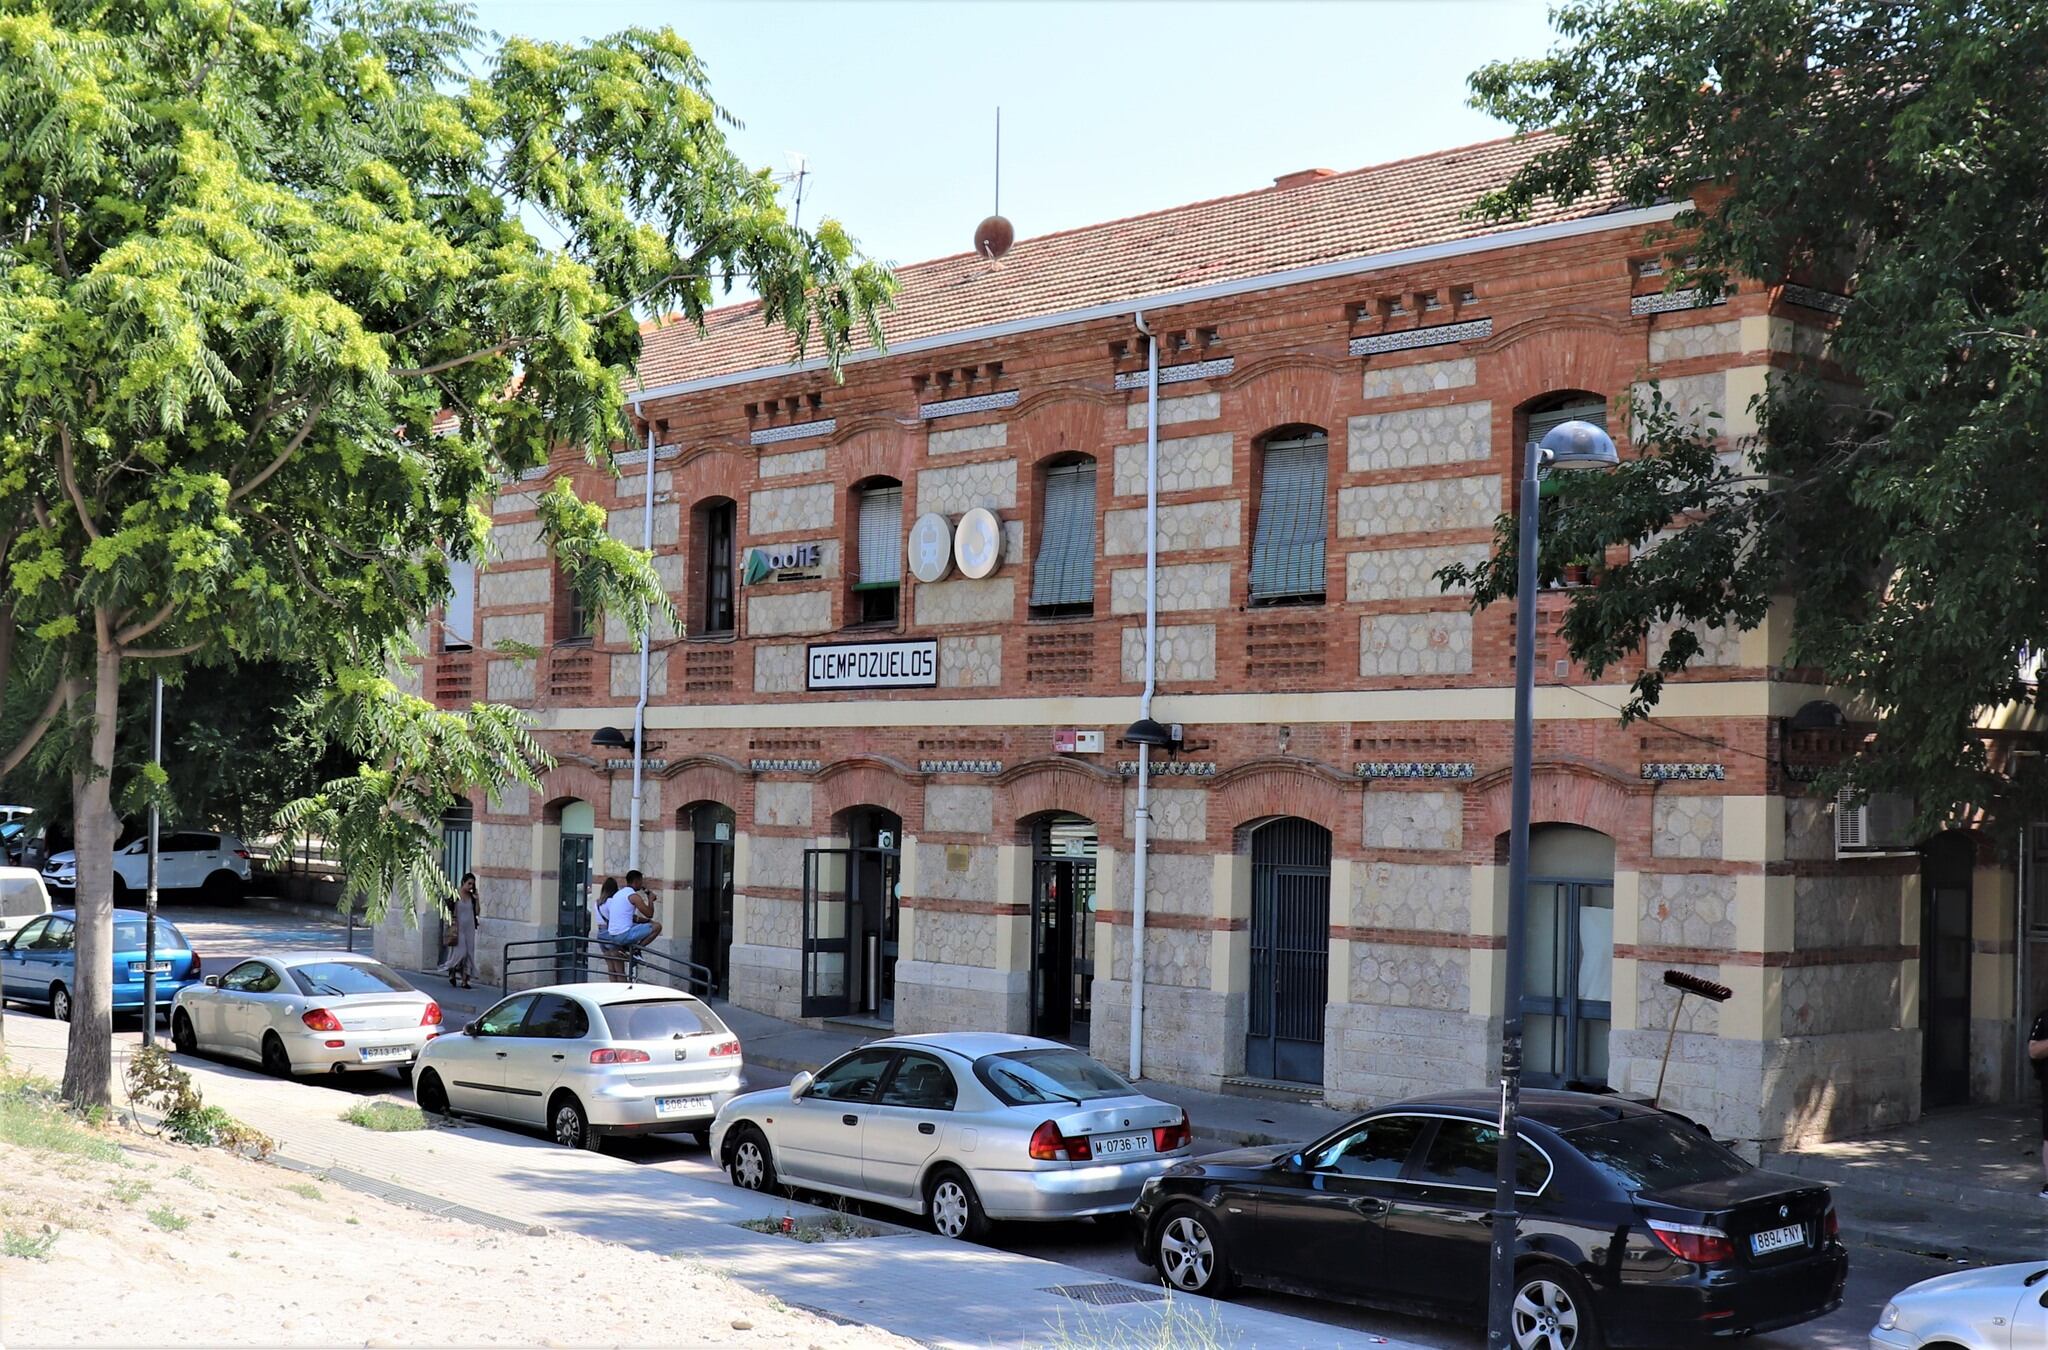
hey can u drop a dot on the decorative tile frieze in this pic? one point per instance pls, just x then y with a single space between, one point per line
1669 302
1683 773
1437 335
1808 297
1411 768
785 765
974 403
1172 768
989 767
1180 374
661 452
796 431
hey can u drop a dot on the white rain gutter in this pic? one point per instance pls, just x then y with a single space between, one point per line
646 642
1141 847
1118 309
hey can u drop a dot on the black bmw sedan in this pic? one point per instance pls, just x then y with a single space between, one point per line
1636 1229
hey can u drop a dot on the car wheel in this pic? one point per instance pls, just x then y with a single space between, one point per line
1553 1310
60 1003
183 1039
222 887
751 1165
276 1060
1189 1253
570 1127
429 1095
954 1208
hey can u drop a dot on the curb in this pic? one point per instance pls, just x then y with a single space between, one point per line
1965 1253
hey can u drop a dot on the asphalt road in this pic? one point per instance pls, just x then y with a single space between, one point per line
1875 1274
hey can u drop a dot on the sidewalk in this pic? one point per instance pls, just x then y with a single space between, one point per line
1957 1183
941 1292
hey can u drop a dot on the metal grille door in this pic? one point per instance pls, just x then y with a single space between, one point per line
1290 951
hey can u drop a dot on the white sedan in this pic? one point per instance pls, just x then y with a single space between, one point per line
307 1012
586 1061
1992 1308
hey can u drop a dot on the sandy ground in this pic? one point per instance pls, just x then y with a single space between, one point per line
269 1258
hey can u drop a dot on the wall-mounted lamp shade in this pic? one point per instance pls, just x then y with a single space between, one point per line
1145 731
610 738
1819 715
1579 445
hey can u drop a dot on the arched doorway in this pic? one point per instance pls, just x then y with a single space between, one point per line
578 822
1946 950
1290 975
850 919
1062 927
711 834
1568 957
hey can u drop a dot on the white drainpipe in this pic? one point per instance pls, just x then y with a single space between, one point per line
646 637
1140 849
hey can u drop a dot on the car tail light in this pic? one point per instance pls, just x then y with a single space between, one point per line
1832 1223
319 1019
725 1048
195 965
432 1016
1049 1145
1702 1246
243 854
1167 1138
612 1056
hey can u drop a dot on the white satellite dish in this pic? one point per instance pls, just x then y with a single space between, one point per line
931 547
978 543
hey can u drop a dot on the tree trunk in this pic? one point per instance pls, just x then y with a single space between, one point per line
89 1055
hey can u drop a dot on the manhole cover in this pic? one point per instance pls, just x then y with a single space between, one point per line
1102 1295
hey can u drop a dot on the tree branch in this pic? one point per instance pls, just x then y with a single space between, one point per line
58 698
69 475
291 448
147 626
160 653
483 354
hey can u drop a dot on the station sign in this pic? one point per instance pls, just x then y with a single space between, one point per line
872 665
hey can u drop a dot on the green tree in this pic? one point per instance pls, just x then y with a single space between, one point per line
1900 501
249 254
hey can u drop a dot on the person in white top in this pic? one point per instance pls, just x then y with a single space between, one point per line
629 922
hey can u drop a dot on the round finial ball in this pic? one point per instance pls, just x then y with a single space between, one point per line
993 237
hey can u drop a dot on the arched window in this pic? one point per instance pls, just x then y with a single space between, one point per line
1540 415
878 575
1063 577
712 527
1288 541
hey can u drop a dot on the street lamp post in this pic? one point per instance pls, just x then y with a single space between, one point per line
1573 445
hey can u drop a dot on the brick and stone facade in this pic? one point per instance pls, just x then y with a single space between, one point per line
1381 715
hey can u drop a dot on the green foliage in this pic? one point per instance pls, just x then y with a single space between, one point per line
168 1219
28 1246
304 1188
33 1116
1893 151
387 1117
158 1085
128 1190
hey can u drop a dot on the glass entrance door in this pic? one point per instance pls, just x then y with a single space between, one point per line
711 893
1568 973
1063 930
1946 952
825 944
572 904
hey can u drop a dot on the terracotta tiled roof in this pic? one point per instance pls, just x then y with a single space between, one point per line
1405 204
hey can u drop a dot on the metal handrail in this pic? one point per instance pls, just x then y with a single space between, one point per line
545 952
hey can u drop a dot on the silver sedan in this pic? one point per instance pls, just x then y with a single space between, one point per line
587 1061
307 1012
963 1127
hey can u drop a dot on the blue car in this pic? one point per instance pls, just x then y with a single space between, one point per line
36 965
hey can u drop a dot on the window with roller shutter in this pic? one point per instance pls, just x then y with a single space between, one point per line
878 575
1063 577
1288 543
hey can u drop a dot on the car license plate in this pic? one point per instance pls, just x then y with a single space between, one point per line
376 1052
681 1106
1121 1145
1778 1239
159 968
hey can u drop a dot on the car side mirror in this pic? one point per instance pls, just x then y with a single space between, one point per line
1297 1162
469 1028
213 982
798 1086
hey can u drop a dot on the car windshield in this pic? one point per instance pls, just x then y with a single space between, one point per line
660 1019
339 979
129 936
21 895
1029 1077
1655 1153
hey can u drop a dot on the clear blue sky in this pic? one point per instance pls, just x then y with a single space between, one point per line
1109 109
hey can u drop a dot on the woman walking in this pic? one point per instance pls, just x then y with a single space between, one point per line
460 967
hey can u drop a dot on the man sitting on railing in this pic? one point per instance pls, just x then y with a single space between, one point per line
629 925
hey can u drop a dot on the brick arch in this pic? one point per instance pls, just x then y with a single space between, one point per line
1567 352
565 782
1065 427
882 452
1291 395
713 471
1038 787
705 778
868 781
1262 790
1560 794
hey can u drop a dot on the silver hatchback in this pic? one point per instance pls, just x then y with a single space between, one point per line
963 1127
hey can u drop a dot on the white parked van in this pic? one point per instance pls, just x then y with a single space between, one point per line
22 898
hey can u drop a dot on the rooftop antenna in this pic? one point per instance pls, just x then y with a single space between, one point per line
993 237
799 170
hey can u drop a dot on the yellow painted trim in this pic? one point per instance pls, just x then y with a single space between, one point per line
1756 1010
1763 913
1340 948
1013 887
1230 953
1628 913
1623 1012
1753 829
1489 919
1743 384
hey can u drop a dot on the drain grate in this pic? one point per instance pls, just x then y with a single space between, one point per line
1105 1295
412 1199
